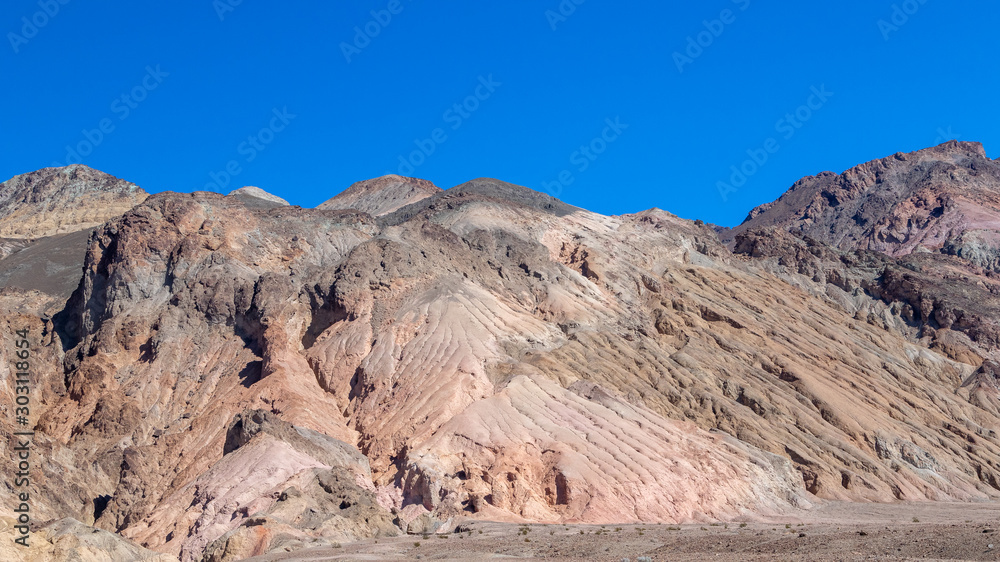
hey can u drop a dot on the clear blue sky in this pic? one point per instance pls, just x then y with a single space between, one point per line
543 93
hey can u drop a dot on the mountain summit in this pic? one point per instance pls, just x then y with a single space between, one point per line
383 195
940 199
60 200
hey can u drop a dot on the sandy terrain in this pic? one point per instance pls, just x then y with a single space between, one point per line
834 531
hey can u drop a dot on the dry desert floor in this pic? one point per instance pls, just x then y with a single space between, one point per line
834 531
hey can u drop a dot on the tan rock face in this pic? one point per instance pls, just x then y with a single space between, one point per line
60 200
250 193
233 378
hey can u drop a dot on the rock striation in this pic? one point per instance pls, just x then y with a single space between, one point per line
231 378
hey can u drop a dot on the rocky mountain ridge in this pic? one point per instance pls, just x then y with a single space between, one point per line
231 376
944 199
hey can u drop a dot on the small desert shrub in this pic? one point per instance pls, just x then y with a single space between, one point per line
915 520
742 525
416 543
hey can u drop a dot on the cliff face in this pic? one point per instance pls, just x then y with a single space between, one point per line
231 377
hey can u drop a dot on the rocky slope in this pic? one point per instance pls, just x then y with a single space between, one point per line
382 195
944 199
60 200
46 218
232 378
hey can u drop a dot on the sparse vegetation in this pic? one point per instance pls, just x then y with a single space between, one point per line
417 543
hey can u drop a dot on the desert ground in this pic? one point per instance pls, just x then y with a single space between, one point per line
834 531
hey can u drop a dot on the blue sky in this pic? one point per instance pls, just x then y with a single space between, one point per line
705 109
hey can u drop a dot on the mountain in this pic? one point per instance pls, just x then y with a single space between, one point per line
919 232
231 378
46 218
55 201
944 199
251 194
382 195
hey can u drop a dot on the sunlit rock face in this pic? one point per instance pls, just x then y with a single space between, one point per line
232 375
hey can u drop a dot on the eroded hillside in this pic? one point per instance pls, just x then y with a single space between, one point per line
233 376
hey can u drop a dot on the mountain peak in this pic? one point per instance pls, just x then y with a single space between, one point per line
53 201
940 199
382 195
257 193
